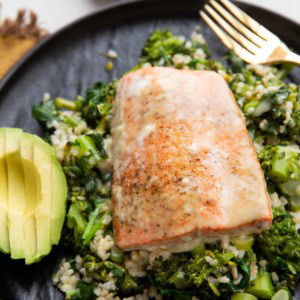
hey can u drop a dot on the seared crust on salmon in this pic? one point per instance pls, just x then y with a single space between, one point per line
184 166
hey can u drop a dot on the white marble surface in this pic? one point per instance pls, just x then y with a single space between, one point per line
54 14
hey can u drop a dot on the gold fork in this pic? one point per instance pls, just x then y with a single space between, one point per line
251 41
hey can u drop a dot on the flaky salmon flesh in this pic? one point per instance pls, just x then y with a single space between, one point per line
184 169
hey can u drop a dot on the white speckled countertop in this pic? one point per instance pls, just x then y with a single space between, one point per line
54 14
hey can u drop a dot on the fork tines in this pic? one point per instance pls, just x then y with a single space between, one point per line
238 31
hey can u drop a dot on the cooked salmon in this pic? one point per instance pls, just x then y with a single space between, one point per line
184 167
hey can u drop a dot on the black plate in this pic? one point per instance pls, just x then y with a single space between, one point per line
68 62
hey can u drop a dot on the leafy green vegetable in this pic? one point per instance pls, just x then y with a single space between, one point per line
84 291
244 270
45 113
237 65
77 222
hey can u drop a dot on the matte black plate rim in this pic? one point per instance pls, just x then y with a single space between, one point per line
9 75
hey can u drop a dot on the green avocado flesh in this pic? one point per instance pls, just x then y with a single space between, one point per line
33 194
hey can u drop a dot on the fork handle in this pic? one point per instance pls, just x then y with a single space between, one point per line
292 58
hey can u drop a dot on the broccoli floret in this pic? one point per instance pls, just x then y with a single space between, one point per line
187 273
89 151
99 269
161 46
97 105
280 163
129 285
281 244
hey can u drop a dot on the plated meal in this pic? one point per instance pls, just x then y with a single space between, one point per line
180 180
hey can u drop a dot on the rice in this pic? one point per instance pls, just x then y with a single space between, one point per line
180 59
106 291
288 112
156 254
225 244
234 272
65 278
238 280
137 263
188 44
223 279
105 165
197 38
275 277
112 54
199 54
296 218
263 263
253 271
101 245
277 201
46 97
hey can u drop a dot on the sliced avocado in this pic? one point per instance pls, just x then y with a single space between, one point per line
16 191
43 161
30 240
243 296
4 238
262 286
33 194
59 194
59 200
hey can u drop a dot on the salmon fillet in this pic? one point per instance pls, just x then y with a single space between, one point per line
184 167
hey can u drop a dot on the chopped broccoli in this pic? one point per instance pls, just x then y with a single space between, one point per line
281 244
67 104
130 285
161 46
280 163
97 105
187 273
97 268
